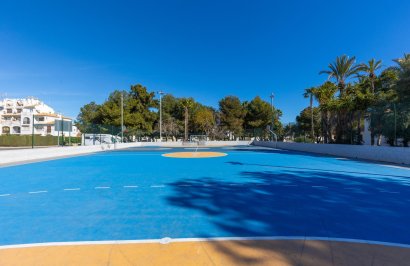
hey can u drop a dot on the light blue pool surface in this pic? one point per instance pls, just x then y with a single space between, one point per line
139 194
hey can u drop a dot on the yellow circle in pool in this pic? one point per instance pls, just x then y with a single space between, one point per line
200 154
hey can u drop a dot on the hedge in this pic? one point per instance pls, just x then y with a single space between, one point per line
25 140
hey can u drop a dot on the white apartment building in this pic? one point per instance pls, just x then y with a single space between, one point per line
18 116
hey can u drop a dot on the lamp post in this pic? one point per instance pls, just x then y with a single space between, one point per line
32 133
160 114
272 96
62 131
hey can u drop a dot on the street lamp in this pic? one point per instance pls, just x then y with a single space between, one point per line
160 114
272 96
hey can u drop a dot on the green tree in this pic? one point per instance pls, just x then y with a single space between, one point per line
90 114
232 114
258 114
204 119
370 69
370 79
403 83
384 98
111 110
309 94
138 116
304 120
324 95
138 105
403 96
172 116
186 103
341 70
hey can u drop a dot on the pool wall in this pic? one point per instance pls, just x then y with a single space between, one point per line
398 155
16 156
25 155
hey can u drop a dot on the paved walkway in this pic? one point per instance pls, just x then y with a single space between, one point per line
275 252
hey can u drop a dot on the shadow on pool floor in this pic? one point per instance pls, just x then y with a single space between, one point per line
303 204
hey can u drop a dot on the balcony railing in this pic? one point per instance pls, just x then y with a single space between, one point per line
11 122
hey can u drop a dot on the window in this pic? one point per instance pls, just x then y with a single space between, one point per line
16 130
9 111
6 130
26 120
41 119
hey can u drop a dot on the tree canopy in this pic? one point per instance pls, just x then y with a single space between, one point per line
367 92
180 116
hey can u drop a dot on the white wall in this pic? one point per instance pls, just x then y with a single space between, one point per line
397 155
24 155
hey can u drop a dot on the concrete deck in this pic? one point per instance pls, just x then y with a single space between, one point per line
246 252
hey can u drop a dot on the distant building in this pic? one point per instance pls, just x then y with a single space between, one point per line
16 118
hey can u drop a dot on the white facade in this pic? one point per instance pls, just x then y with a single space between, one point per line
17 117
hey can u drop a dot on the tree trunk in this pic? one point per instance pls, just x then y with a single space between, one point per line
325 127
379 140
339 128
311 112
359 129
351 119
371 128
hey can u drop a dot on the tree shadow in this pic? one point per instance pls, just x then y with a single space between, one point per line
300 203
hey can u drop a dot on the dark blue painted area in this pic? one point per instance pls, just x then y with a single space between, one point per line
247 193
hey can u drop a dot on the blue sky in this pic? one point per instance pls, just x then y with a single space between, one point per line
69 53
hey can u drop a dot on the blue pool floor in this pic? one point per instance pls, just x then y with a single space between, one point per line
139 194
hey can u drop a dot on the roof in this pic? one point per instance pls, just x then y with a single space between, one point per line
52 115
46 114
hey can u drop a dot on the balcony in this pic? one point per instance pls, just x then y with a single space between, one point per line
11 122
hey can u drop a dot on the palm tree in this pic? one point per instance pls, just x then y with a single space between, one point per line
343 68
403 61
324 95
371 69
309 93
187 103
340 70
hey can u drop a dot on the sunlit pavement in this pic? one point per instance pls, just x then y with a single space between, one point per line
286 252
